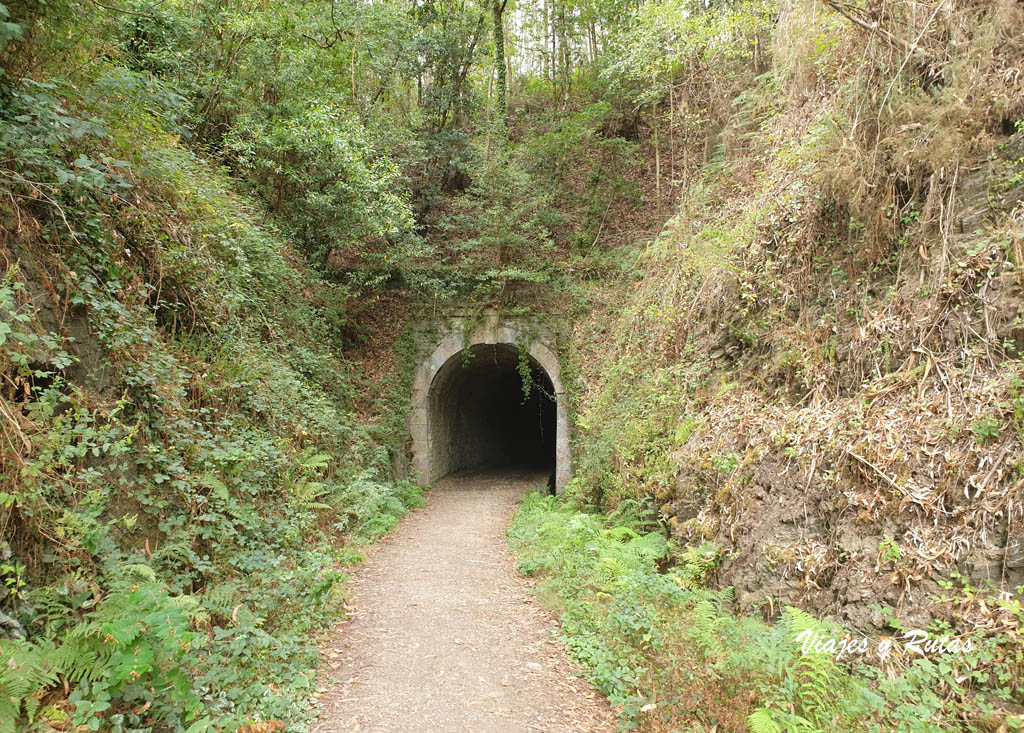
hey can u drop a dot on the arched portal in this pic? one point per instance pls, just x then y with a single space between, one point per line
490 406
469 408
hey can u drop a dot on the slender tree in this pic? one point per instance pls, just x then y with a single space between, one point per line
498 8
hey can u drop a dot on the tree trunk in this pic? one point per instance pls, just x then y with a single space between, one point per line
498 8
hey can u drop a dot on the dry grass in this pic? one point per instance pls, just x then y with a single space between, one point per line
846 319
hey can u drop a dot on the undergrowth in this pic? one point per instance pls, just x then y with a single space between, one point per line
184 481
669 653
819 369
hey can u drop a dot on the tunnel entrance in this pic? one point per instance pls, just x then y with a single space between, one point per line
491 406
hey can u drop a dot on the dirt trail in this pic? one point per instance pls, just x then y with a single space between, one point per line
444 635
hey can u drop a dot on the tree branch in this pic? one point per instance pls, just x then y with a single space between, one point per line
140 14
844 9
338 32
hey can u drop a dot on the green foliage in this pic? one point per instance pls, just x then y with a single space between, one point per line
985 428
667 36
684 430
175 467
696 563
640 628
182 449
50 150
316 169
635 424
8 31
506 214
598 183
130 650
762 721
890 550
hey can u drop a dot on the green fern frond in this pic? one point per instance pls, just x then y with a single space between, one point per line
393 505
649 548
815 691
313 460
797 621
220 597
762 721
612 566
620 534
704 618
26 670
139 572
81 658
10 711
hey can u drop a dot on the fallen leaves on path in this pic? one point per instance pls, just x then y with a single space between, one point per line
444 635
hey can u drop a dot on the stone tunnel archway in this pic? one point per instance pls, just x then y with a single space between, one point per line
468 407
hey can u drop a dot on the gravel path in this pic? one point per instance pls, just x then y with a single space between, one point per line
444 635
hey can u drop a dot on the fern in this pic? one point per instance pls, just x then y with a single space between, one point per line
310 459
220 598
26 667
26 670
612 565
82 656
815 686
620 534
798 621
649 548
10 711
815 670
704 619
137 572
393 505
626 512
695 564
762 721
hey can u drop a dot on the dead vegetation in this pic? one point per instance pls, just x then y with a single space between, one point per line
844 330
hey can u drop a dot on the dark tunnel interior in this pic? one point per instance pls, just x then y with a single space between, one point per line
480 417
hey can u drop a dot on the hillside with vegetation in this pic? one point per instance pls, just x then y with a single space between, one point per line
779 243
